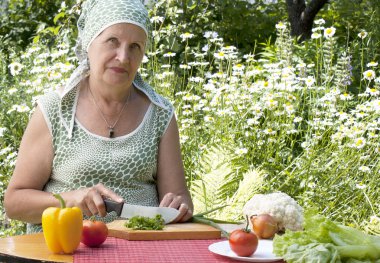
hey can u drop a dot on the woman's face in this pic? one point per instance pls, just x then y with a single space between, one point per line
116 54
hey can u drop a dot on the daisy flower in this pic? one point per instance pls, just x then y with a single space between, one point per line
15 68
360 142
369 74
309 81
329 32
186 36
372 64
315 35
220 55
320 21
169 54
281 26
362 34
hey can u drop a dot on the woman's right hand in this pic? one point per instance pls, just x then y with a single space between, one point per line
90 200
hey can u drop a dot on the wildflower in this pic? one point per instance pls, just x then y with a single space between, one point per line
375 105
157 19
360 142
329 32
15 68
183 138
208 119
280 26
362 34
145 59
196 79
309 81
169 55
210 34
297 119
345 96
361 185
364 169
239 67
372 64
220 55
229 48
12 90
186 36
183 66
241 151
252 121
369 74
269 131
319 21
2 130
205 48
315 35
372 91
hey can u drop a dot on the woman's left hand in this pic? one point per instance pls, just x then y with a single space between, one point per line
180 203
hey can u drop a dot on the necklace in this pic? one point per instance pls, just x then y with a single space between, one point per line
111 131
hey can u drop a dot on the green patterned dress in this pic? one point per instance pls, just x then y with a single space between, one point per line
126 164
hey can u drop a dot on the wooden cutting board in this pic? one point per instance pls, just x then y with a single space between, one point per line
170 232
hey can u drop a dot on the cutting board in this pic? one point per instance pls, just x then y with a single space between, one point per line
170 232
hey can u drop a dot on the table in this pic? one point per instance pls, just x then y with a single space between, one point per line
28 248
32 248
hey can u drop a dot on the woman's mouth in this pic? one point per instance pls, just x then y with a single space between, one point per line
118 70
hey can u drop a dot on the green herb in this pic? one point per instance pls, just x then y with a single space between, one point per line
146 223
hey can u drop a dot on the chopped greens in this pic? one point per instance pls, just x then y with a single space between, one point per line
145 223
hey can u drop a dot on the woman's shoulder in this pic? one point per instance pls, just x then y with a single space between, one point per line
49 101
49 95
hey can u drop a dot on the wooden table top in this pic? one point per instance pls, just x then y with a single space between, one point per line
28 248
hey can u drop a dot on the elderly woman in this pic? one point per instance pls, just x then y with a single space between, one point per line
107 134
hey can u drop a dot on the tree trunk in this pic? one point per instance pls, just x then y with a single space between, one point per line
301 16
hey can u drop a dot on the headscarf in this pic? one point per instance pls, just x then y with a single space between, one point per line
96 16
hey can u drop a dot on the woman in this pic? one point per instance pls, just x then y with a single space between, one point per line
107 134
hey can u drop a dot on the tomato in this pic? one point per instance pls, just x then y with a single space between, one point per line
243 242
264 226
94 233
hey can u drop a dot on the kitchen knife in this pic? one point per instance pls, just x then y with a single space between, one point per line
125 210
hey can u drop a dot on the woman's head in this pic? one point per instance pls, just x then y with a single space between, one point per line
116 53
97 15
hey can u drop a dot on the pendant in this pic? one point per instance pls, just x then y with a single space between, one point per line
110 132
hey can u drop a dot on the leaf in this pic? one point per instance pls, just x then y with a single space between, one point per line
58 16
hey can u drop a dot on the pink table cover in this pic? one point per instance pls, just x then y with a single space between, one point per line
177 251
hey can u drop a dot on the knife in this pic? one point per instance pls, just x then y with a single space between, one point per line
125 210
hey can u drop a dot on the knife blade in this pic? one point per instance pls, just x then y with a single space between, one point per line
127 211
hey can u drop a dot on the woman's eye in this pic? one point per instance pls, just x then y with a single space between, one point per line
112 40
135 46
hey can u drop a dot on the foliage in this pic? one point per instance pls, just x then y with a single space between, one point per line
219 183
297 118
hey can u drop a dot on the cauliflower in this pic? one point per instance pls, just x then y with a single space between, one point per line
285 210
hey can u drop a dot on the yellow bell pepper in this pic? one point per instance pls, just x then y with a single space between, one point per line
62 227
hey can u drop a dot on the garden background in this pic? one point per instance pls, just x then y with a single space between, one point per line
259 110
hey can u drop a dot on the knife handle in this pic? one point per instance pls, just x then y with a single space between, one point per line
113 206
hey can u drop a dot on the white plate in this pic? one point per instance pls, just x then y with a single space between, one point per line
262 254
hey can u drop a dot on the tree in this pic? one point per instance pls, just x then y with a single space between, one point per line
301 16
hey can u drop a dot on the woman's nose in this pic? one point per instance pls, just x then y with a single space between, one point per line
122 55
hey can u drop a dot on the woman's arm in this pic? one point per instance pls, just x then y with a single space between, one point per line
24 199
171 182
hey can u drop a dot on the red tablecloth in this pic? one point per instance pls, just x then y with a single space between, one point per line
177 251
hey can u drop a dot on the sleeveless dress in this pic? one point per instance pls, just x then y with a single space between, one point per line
126 164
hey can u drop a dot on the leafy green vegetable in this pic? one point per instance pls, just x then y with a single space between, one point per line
324 240
145 223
